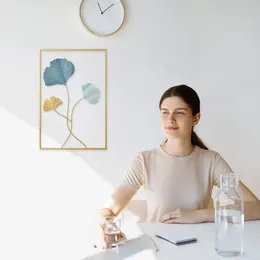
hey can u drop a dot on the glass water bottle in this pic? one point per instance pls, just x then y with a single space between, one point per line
229 217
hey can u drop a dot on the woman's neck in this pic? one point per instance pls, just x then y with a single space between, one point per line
178 147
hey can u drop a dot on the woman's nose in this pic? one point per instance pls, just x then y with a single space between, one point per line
172 119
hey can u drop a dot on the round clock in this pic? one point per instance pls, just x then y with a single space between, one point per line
102 17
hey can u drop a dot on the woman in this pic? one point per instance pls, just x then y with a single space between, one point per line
178 175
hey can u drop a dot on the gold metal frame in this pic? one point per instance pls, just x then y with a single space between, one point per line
40 123
102 35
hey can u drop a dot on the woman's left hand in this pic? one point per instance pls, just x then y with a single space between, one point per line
183 216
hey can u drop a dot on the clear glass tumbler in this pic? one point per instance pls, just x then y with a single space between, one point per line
112 230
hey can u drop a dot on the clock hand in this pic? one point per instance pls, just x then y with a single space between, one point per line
108 7
99 8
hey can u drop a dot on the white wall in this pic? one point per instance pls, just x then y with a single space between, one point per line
48 197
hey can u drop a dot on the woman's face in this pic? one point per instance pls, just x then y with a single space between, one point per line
177 119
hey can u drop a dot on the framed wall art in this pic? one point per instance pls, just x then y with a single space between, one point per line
73 99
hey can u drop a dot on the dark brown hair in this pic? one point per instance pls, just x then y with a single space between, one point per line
188 95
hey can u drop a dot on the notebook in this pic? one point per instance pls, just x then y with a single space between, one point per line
174 238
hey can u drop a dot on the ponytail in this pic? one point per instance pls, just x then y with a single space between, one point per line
195 140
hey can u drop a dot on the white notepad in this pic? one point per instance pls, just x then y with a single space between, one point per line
176 238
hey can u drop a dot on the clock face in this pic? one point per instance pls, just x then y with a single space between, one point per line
102 17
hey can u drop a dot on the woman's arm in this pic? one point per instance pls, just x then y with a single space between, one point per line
251 206
251 203
251 211
132 181
119 199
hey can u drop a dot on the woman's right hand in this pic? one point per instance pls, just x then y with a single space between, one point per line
101 239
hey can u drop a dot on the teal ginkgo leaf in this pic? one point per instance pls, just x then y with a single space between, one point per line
59 72
91 93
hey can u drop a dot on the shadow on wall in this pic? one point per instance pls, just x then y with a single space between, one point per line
86 166
109 164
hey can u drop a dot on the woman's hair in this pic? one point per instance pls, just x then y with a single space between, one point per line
188 95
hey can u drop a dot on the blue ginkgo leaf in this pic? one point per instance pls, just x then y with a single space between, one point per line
91 93
59 72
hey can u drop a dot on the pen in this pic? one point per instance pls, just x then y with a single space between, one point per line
164 239
156 248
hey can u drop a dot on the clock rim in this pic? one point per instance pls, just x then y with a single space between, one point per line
97 34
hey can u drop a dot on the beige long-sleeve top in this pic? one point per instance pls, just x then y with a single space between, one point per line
174 182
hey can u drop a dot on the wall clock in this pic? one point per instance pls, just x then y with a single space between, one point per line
102 17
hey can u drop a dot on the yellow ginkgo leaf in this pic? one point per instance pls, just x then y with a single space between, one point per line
51 104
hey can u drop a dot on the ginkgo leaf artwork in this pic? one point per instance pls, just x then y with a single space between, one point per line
73 99
51 104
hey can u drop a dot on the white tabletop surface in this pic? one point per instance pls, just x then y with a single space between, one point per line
139 246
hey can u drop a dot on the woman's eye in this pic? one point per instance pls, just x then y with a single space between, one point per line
164 112
180 113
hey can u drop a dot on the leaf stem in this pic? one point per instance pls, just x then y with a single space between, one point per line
67 120
61 114
70 129
71 133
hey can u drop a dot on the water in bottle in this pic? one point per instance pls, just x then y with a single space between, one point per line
229 217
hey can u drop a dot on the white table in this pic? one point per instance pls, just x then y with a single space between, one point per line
140 247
